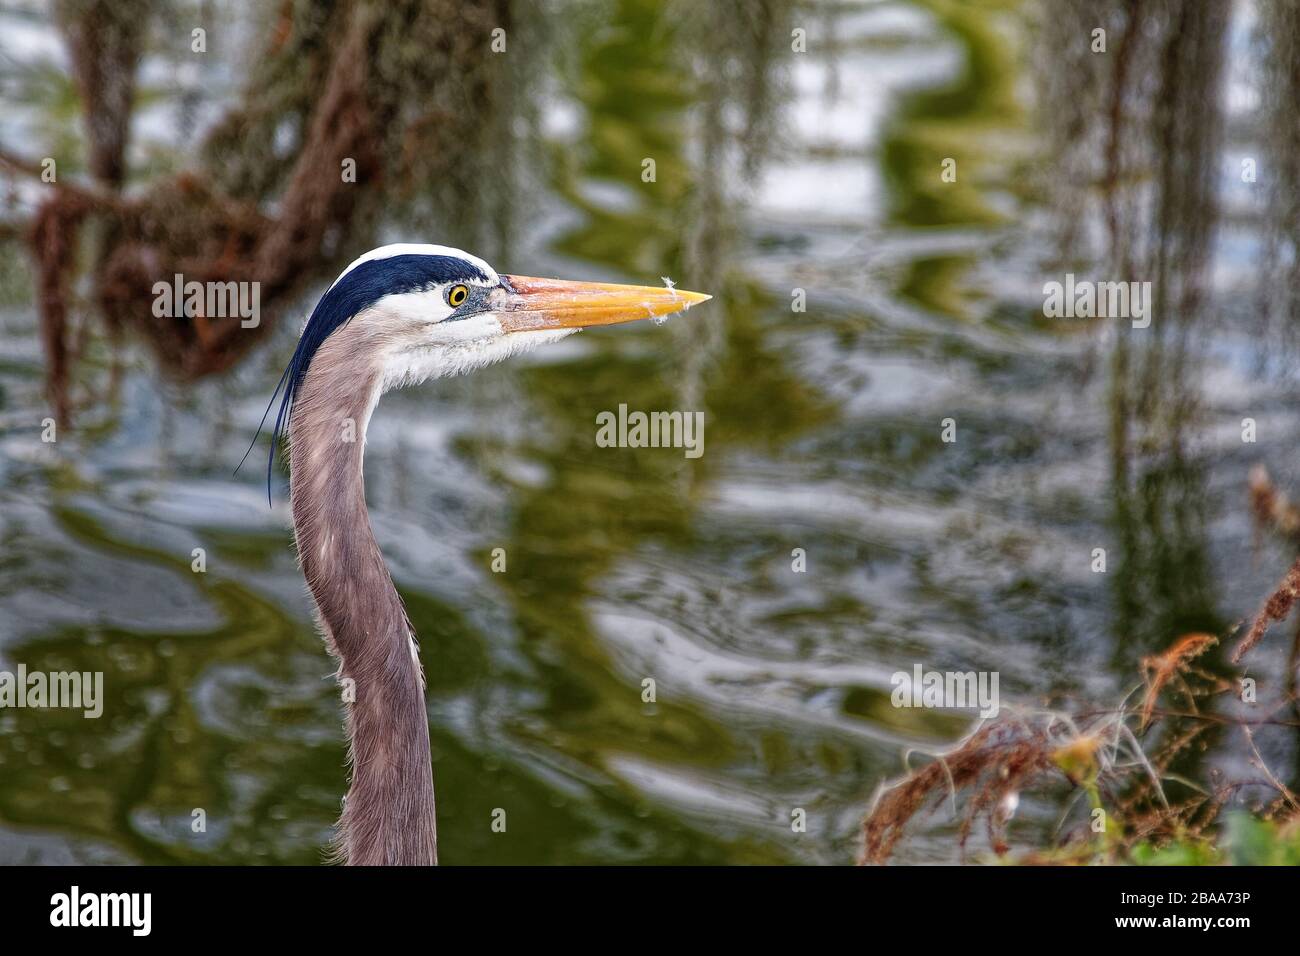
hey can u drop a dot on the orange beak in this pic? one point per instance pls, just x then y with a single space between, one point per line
532 304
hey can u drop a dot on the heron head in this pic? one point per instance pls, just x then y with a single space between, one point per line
421 311
410 312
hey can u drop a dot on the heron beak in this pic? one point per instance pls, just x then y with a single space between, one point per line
531 304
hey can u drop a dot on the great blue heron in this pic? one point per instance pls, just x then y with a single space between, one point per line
397 316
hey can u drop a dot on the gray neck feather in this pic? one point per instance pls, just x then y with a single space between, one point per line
388 817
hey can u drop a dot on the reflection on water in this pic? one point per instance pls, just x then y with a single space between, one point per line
1140 133
775 171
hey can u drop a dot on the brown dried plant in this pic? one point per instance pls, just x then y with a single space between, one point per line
1098 754
998 761
1159 669
1276 608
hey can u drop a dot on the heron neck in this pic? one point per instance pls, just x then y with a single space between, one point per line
388 817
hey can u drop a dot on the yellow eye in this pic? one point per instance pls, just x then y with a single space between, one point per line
457 295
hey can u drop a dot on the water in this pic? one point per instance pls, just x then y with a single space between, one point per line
775 172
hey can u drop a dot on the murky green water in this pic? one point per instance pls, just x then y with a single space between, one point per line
775 172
